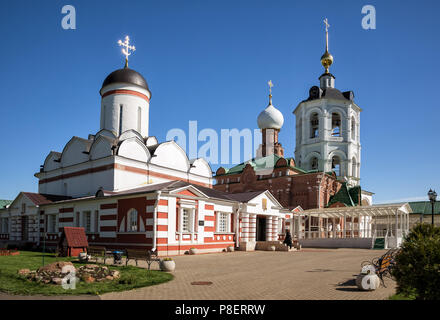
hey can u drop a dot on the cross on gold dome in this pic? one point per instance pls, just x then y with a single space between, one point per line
126 49
327 58
326 24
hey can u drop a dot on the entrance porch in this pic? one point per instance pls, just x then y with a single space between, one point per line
354 227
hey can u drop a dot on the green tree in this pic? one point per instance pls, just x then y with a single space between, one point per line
417 269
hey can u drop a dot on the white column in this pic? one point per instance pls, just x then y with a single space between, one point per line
299 220
245 227
359 226
252 227
344 229
275 228
269 229
326 228
309 228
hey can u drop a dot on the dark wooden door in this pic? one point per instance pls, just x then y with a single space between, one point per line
261 229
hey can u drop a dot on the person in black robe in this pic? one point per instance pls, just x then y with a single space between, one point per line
288 239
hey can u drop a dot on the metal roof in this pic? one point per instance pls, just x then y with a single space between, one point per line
424 207
374 210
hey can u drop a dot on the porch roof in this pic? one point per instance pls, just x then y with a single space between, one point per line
374 210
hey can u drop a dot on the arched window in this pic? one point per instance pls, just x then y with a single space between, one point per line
132 220
314 125
336 165
353 167
314 163
336 124
353 128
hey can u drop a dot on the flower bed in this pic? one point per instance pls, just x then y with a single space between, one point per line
55 272
4 252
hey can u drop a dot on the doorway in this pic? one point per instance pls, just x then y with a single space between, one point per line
261 229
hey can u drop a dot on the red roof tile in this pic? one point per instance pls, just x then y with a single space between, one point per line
76 237
39 198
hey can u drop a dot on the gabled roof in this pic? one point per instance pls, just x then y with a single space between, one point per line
39 198
245 196
76 237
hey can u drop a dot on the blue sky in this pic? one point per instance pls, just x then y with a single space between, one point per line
210 61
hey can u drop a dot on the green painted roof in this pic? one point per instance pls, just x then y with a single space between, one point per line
350 197
4 203
343 196
424 207
355 194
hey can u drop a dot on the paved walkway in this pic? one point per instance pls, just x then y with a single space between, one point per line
312 274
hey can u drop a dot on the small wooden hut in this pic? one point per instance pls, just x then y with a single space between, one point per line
73 240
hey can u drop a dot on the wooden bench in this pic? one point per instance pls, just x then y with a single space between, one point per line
98 251
384 264
145 255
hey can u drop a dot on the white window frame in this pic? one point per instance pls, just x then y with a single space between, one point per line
223 222
226 216
132 226
87 221
51 223
191 216
186 215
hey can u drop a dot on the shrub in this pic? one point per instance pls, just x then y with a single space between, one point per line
167 259
417 269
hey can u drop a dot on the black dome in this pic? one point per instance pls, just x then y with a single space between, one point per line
126 75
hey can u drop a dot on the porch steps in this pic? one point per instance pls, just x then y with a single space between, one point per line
379 243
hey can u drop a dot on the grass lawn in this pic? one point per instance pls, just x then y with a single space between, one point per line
12 283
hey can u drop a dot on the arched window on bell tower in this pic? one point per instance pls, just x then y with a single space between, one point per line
314 163
336 124
353 128
353 167
336 165
314 125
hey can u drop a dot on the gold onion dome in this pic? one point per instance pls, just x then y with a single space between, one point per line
326 60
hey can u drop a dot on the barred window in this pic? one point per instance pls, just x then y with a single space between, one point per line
222 222
52 221
87 221
185 220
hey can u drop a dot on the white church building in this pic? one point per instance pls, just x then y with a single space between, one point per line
129 191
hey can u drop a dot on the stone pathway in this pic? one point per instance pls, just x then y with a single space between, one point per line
311 274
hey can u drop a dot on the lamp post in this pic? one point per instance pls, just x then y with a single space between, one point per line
432 197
